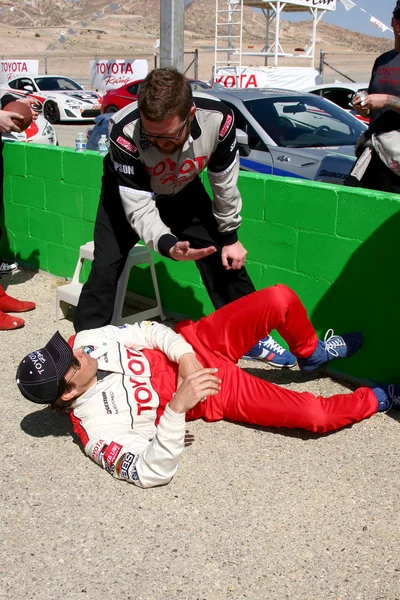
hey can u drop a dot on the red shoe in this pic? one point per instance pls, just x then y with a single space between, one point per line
9 322
8 304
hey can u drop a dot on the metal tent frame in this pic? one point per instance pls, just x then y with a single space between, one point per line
229 28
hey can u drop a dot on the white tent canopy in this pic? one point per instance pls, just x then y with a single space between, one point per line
294 5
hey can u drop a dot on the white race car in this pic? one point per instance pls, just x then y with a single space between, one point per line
63 99
341 94
38 132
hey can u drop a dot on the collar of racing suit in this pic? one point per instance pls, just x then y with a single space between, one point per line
98 386
195 132
195 129
101 375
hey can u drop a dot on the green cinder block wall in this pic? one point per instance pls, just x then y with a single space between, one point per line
336 247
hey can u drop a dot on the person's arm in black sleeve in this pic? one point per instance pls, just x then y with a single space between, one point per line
376 100
6 99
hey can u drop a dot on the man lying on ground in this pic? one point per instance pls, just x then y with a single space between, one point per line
129 390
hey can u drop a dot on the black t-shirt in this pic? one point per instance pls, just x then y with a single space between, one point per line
385 79
6 99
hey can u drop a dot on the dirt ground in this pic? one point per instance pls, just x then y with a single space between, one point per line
252 514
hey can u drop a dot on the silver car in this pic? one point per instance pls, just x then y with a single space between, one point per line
292 134
281 132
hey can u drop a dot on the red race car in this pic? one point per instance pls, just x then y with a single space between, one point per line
116 99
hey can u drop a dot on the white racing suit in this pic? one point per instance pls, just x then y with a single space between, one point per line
124 421
116 418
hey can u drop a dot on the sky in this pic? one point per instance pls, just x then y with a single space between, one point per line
355 19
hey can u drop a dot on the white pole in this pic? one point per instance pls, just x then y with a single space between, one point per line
277 25
314 12
267 36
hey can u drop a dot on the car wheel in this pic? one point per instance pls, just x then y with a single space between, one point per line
51 112
112 109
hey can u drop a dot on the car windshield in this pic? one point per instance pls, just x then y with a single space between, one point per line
48 84
305 121
199 85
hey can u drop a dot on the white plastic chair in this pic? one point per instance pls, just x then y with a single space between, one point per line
68 294
137 256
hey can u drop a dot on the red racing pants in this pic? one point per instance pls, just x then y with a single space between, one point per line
223 337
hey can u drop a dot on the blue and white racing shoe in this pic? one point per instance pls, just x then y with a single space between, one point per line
388 396
333 347
271 353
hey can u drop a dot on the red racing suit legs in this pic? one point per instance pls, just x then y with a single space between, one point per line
230 331
220 339
248 399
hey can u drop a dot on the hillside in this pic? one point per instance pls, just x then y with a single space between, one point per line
91 29
142 16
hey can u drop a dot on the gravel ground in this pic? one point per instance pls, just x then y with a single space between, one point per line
256 514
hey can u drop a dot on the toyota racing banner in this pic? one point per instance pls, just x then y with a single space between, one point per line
13 68
291 78
109 74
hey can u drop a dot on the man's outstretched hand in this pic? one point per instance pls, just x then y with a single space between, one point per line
233 256
195 387
183 251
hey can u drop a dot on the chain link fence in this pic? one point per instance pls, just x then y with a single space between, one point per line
77 66
346 67
333 66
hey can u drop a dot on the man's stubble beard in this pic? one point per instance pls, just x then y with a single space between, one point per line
175 147
167 150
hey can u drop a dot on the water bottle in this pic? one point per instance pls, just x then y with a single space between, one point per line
102 146
80 142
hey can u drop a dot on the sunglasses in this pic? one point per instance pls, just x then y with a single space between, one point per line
173 138
75 365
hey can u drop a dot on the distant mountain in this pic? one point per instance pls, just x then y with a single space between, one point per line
144 16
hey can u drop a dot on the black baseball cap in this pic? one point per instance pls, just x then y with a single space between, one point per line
39 373
396 10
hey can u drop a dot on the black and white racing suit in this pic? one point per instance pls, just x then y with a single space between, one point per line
161 199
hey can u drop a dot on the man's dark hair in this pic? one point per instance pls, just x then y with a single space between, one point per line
61 405
163 94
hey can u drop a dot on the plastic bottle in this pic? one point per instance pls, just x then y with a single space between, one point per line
360 95
80 142
102 146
